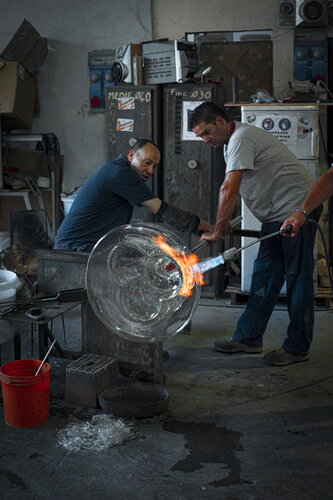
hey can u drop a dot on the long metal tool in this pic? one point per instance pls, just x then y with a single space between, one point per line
203 243
45 357
72 295
232 253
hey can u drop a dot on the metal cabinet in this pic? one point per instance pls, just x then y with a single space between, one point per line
134 112
192 171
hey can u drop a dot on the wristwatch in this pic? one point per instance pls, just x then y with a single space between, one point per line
302 211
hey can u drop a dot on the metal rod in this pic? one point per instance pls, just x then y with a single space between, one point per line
199 245
259 240
22 137
46 355
203 243
286 230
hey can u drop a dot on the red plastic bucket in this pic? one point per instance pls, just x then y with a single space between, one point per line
25 397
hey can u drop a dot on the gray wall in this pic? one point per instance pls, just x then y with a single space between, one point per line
175 17
73 28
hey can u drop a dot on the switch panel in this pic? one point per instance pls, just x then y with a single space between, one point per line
100 76
310 56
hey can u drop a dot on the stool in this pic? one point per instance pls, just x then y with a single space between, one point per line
87 376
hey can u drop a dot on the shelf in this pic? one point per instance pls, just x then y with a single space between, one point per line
21 192
265 104
50 147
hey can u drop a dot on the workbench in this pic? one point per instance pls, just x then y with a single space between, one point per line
49 312
60 270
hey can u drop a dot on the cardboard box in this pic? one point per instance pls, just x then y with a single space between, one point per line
28 162
26 47
16 202
17 96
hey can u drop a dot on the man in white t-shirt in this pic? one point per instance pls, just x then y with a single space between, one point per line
273 184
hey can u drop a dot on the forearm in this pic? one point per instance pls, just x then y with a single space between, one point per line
228 197
205 226
320 191
227 202
181 220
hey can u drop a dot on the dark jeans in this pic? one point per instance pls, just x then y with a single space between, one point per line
282 258
73 248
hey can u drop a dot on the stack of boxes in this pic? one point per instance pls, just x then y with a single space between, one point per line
19 62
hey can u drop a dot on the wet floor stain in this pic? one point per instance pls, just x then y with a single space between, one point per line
62 411
35 455
14 479
208 444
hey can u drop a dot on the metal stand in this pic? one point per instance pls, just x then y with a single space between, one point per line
65 270
44 139
49 313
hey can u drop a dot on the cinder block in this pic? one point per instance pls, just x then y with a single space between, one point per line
87 376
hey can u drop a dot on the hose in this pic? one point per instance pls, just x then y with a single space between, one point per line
313 221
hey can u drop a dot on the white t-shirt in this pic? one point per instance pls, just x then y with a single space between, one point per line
274 183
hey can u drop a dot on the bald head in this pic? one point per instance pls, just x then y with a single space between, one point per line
144 159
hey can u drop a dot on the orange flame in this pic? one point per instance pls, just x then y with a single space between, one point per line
185 262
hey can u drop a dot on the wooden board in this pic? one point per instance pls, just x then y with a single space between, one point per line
251 62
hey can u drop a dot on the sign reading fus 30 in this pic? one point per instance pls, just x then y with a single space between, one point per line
195 93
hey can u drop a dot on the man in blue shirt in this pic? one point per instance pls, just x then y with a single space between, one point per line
107 198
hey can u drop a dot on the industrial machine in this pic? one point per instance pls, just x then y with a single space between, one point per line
297 127
169 61
302 13
127 67
192 171
311 13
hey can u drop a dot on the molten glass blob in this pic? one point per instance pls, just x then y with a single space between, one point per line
133 285
187 264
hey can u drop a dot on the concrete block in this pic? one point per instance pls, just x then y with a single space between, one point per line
87 376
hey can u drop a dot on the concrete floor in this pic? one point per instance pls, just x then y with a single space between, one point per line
235 428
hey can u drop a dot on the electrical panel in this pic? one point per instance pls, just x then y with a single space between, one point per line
286 14
192 170
100 76
310 55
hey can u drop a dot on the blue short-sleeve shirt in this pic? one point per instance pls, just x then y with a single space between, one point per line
105 201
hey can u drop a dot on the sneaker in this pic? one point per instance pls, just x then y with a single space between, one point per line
280 357
230 346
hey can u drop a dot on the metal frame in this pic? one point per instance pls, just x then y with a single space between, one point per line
10 138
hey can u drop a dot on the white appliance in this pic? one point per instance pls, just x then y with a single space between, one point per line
169 61
298 128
